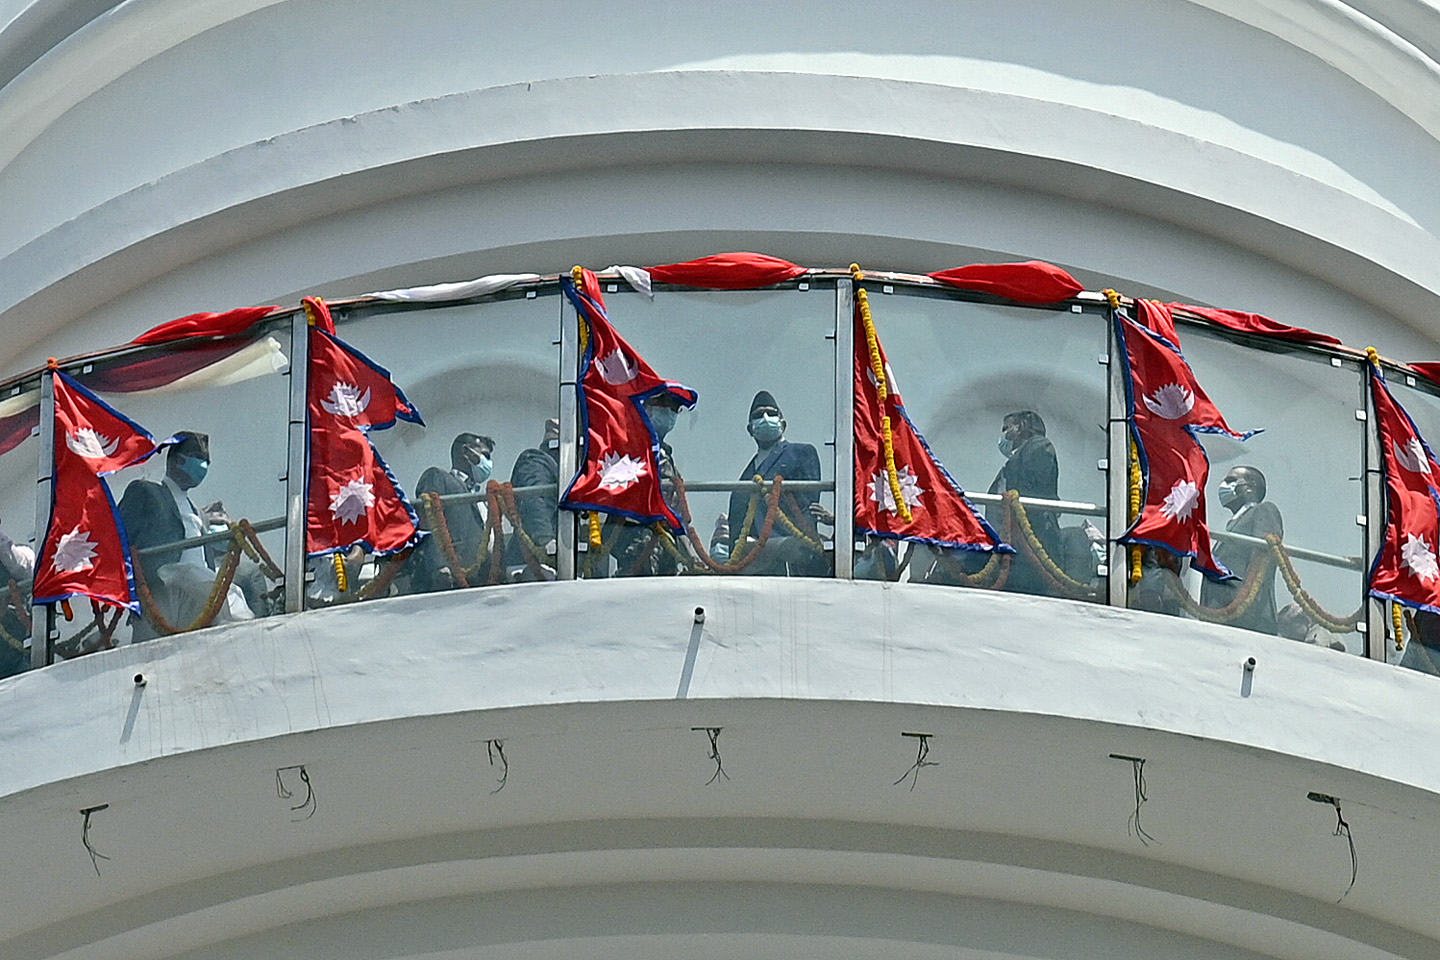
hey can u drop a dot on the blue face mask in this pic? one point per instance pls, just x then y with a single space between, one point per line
766 429
1005 445
663 419
481 469
190 469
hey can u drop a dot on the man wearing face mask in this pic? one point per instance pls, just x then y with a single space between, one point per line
775 456
1032 470
1242 492
537 466
162 513
634 554
470 469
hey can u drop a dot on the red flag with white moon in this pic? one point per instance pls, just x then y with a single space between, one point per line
353 496
1405 570
620 451
1167 409
939 512
85 552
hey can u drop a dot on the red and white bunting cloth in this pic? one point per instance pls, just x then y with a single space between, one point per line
479 287
620 452
1405 569
729 271
1032 281
227 324
353 497
1257 324
85 552
1166 409
939 512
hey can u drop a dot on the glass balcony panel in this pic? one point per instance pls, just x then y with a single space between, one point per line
490 369
235 395
1421 399
1301 477
19 466
729 346
962 368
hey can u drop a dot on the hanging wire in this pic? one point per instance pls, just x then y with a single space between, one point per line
714 734
284 793
922 750
1342 829
1132 825
493 747
95 855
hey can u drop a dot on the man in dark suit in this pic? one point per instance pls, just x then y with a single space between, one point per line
1031 469
775 456
1242 492
162 513
535 467
470 469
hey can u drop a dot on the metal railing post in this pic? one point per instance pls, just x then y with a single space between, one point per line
298 443
569 340
1373 532
1117 463
844 430
42 619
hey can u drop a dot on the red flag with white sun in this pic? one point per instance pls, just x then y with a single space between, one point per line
85 552
1167 409
620 453
353 496
1405 570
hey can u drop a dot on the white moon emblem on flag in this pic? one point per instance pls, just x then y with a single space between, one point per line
74 552
910 489
617 471
1412 456
346 400
91 445
1417 555
1180 501
352 501
616 368
1171 401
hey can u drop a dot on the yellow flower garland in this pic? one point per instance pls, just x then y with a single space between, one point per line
878 367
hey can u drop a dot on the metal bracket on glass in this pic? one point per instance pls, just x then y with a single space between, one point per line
1360 415
1102 464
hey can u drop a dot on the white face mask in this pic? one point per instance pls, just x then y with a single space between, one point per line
766 428
1228 494
1005 445
481 469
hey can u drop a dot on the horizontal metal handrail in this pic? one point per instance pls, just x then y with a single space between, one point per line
218 536
1299 553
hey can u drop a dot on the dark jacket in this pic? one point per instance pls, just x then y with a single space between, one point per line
462 520
793 461
151 518
537 510
1261 518
1033 471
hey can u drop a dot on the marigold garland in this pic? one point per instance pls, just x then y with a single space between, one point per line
1397 621
1035 550
1255 576
224 576
22 609
877 366
741 558
1320 615
439 527
1137 489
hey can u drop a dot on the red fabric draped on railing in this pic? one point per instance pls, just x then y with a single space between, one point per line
1033 281
1255 323
728 271
227 324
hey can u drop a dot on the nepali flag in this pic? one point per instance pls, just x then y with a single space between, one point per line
620 451
1405 569
939 512
85 552
1167 410
353 497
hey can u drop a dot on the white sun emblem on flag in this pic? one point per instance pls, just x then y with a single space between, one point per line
1418 556
1412 456
1180 501
1171 401
616 368
910 489
91 445
346 400
74 552
619 471
352 501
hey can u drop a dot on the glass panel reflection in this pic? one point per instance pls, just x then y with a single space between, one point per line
208 509
1009 399
483 473
19 465
763 365
1299 480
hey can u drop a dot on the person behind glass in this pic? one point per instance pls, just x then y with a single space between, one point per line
775 456
1031 470
1242 492
17 560
537 466
470 469
157 514
636 552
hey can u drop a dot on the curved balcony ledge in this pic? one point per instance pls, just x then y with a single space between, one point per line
626 641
